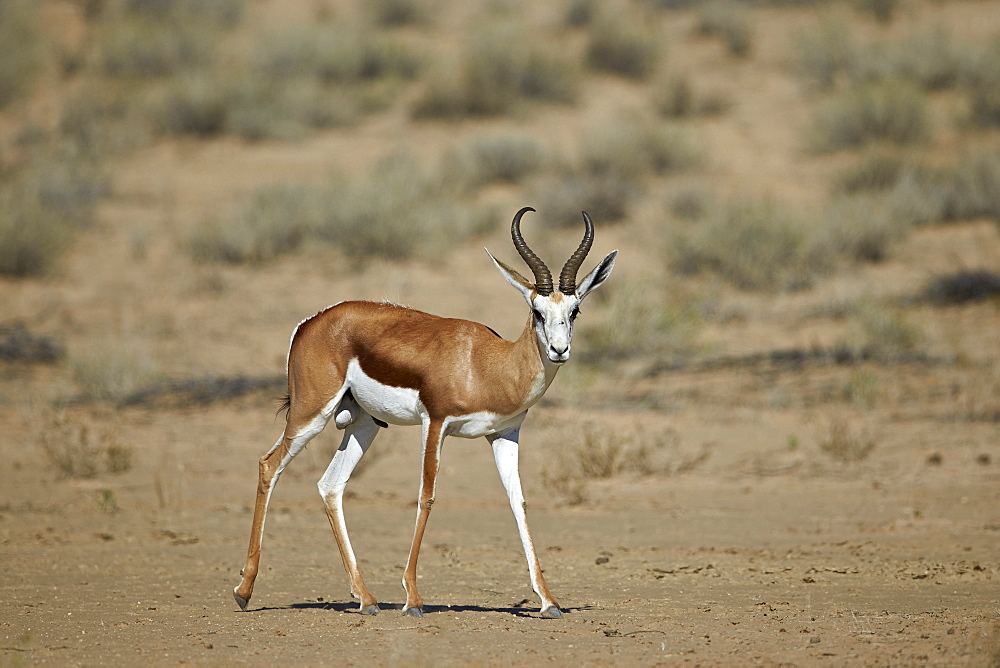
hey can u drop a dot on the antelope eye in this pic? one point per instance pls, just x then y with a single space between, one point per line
575 312
538 315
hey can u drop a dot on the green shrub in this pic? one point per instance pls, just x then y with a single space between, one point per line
20 50
893 111
622 45
754 245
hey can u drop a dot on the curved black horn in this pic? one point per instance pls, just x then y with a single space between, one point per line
543 277
567 278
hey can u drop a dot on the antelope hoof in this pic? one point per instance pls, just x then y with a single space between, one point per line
413 612
552 612
370 610
240 601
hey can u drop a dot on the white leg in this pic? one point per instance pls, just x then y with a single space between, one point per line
358 436
505 448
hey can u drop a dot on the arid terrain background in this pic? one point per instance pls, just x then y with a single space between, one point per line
778 441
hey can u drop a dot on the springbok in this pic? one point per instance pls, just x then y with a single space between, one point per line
368 364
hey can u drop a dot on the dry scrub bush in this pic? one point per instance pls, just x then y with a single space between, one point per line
397 211
882 11
914 193
863 227
882 332
644 319
605 197
730 22
674 96
623 44
398 12
822 54
20 50
981 85
634 148
274 221
294 80
496 158
892 110
44 200
614 160
829 55
753 244
159 39
500 66
114 373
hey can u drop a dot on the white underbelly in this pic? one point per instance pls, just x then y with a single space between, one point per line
396 405
402 406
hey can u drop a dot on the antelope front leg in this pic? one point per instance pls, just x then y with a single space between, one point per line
505 445
433 437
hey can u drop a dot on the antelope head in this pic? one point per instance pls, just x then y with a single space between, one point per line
554 311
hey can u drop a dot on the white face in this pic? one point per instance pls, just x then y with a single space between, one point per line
554 316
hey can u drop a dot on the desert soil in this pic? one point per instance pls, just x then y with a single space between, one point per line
741 541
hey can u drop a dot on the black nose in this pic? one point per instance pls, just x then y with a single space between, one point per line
557 351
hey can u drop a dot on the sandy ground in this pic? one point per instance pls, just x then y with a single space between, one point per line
756 553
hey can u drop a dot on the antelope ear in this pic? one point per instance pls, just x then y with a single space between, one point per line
520 283
598 275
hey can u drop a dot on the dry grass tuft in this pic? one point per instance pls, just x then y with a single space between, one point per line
599 454
78 450
847 444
